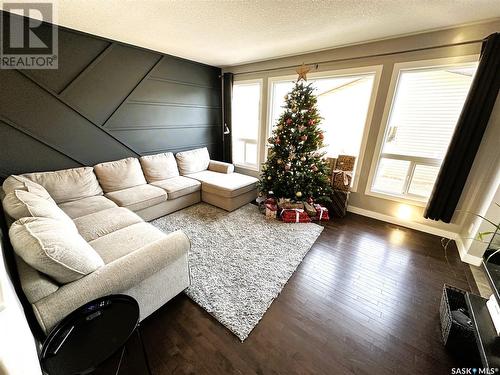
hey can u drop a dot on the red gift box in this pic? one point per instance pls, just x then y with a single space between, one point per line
271 201
294 215
321 213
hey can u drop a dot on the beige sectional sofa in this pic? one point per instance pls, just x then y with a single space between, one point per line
80 233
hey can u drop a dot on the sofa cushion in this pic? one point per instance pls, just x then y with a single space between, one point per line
226 185
138 197
193 161
14 182
87 206
178 186
47 245
119 174
159 167
126 240
20 203
68 184
220 166
100 223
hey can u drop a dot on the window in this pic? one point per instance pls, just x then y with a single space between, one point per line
426 105
344 100
246 123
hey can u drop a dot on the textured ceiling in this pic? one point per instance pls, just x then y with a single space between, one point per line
223 33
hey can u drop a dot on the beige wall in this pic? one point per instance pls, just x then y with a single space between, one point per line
476 247
461 41
482 188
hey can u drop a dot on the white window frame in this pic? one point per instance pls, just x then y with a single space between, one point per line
376 69
251 167
414 200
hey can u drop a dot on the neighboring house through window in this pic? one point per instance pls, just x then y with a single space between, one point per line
417 127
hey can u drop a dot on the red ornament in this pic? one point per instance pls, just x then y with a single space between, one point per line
310 122
303 138
288 121
321 136
277 140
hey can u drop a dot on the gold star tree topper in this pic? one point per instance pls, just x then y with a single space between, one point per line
302 72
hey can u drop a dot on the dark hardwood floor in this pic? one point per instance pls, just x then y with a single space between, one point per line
365 300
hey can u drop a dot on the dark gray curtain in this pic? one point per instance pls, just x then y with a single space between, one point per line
227 92
468 133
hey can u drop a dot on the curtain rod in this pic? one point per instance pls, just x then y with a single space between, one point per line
362 57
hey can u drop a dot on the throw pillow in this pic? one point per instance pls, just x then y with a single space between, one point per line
46 245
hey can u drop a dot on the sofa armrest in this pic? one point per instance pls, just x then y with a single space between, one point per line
35 284
220 166
115 277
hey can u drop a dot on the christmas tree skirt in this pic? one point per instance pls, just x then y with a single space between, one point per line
239 261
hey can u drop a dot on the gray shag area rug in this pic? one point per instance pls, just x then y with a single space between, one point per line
239 261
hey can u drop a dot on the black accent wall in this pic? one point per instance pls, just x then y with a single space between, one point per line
105 102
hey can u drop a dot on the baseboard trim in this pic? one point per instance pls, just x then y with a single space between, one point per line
403 223
464 256
467 258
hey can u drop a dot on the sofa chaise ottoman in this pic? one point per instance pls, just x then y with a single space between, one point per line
220 185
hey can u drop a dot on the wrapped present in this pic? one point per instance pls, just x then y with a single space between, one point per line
271 211
321 213
310 209
272 201
261 203
345 163
285 203
270 198
294 215
341 176
341 180
331 165
338 205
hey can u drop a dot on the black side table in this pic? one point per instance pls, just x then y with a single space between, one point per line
90 335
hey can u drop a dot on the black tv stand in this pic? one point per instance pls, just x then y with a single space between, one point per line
487 340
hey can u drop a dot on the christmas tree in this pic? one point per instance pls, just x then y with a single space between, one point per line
295 168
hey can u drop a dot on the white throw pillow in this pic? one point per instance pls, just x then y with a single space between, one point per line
20 203
14 182
68 185
120 174
47 245
159 167
193 161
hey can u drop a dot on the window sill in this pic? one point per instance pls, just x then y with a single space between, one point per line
397 198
